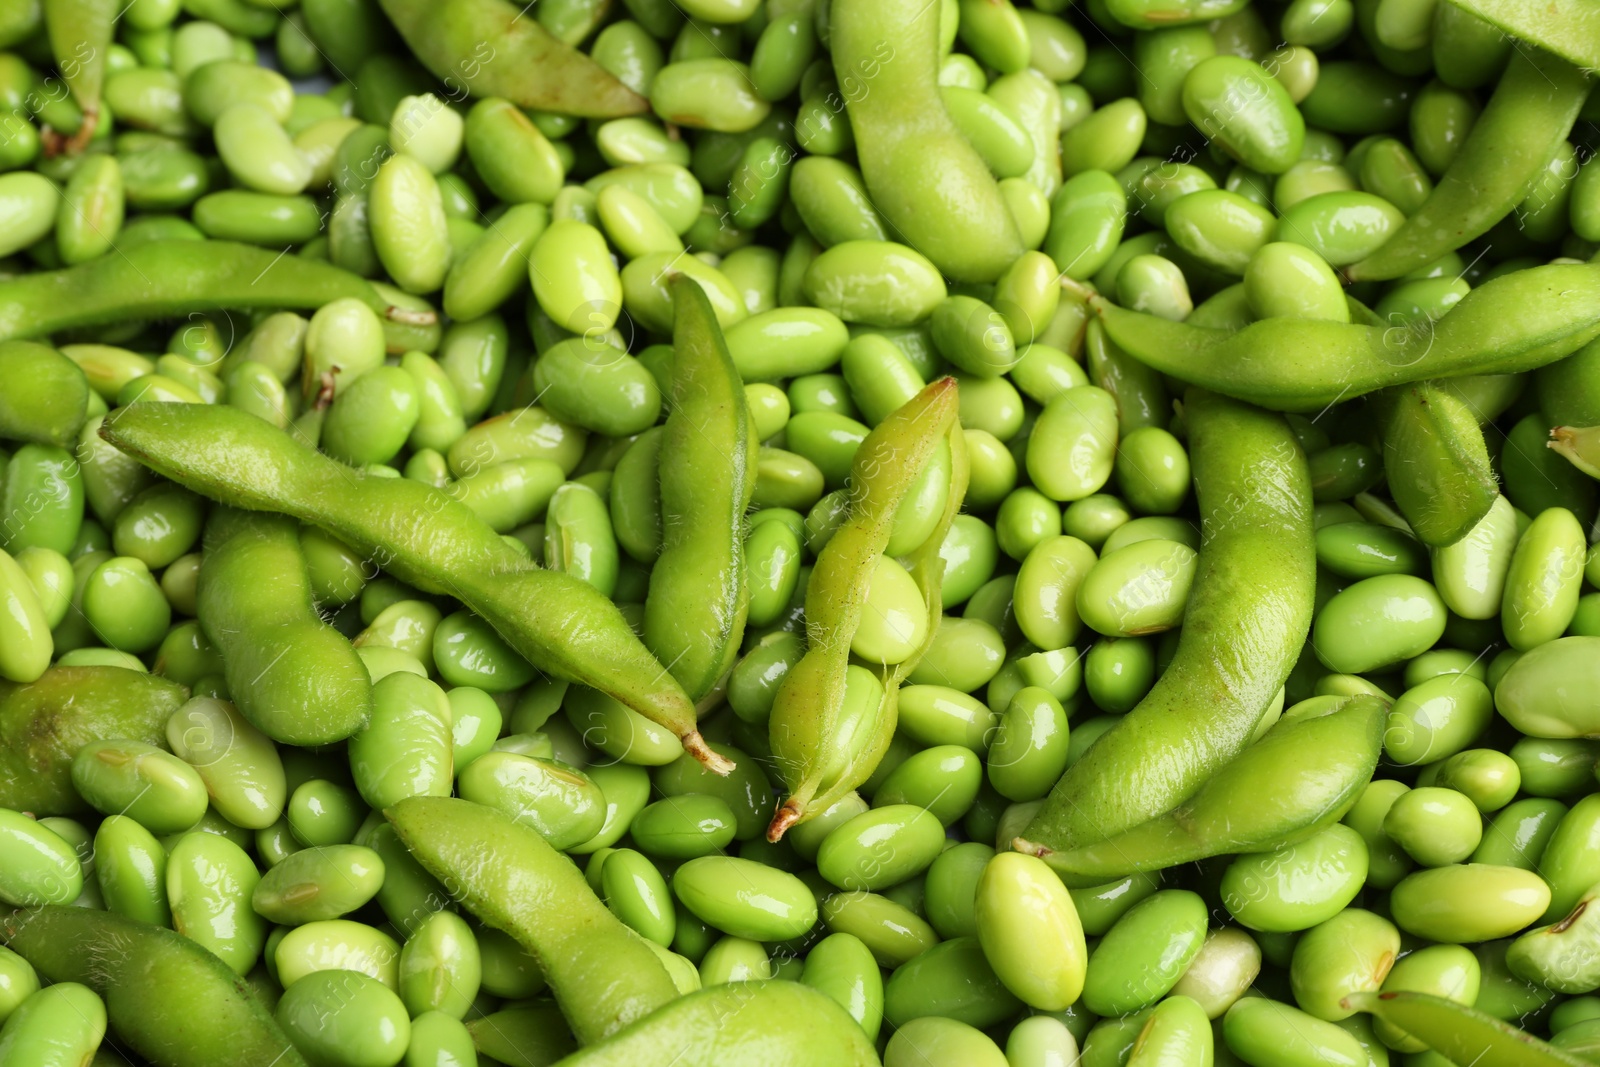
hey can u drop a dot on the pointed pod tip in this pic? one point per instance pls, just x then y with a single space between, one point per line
714 762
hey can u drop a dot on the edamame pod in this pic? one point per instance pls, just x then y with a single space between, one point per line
699 594
817 764
928 182
600 971
1239 638
292 675
1319 765
151 984
528 65
563 624
1461 1033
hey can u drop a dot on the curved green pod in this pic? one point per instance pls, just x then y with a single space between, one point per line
297 679
822 752
775 1023
602 974
44 723
153 981
1248 614
926 180
1436 463
694 614
1298 779
493 48
1527 119
173 278
559 623
1516 322
1461 1034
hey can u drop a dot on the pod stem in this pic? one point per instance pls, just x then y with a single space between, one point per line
1579 445
1028 848
411 316
714 762
787 815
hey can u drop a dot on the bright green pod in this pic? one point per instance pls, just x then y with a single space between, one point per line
1299 885
238 764
597 387
210 881
160 791
1464 903
1143 955
558 801
440 967
315 884
405 748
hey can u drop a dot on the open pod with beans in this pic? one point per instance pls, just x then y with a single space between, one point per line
799 533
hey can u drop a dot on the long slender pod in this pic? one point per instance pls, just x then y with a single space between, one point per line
695 612
1531 112
560 623
1249 611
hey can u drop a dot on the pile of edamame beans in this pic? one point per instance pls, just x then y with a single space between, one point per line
800 533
